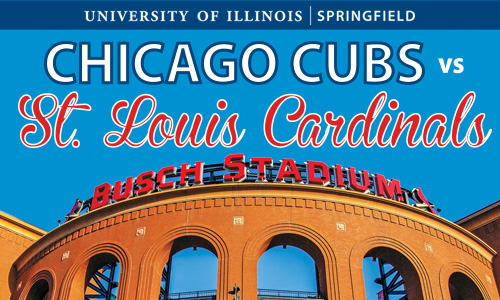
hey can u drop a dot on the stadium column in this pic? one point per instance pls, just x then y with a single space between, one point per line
344 271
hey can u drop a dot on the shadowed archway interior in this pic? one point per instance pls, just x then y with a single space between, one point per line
463 288
39 291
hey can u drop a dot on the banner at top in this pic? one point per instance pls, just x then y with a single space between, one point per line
249 15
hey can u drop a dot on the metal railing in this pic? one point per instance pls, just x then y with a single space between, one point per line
195 294
289 294
260 292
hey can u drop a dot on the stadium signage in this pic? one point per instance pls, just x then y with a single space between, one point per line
259 169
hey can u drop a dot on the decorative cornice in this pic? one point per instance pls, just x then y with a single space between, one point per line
253 194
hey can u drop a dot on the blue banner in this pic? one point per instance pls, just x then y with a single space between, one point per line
249 15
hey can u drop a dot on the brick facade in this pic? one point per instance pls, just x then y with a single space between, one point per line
238 223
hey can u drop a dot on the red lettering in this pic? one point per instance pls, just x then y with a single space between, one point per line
363 185
293 117
66 108
382 128
414 122
164 124
161 176
313 137
38 116
318 173
68 105
339 176
261 163
196 171
362 124
337 126
233 133
235 163
130 123
209 134
322 168
118 195
439 135
383 189
160 121
191 138
477 124
288 170
367 119
101 196
145 183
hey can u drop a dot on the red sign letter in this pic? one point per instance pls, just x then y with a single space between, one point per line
233 163
160 178
288 170
392 191
312 167
145 182
364 185
339 176
127 192
186 171
101 196
261 163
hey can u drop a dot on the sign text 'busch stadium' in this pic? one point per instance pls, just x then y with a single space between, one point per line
259 169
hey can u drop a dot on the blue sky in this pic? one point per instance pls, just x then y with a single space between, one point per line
278 268
48 179
42 184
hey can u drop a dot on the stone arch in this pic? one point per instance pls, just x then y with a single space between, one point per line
154 259
44 277
449 269
77 276
403 259
318 248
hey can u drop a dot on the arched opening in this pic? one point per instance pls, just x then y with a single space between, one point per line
191 271
382 280
463 288
291 267
389 275
102 277
39 291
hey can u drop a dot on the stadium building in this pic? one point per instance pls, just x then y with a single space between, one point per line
119 244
